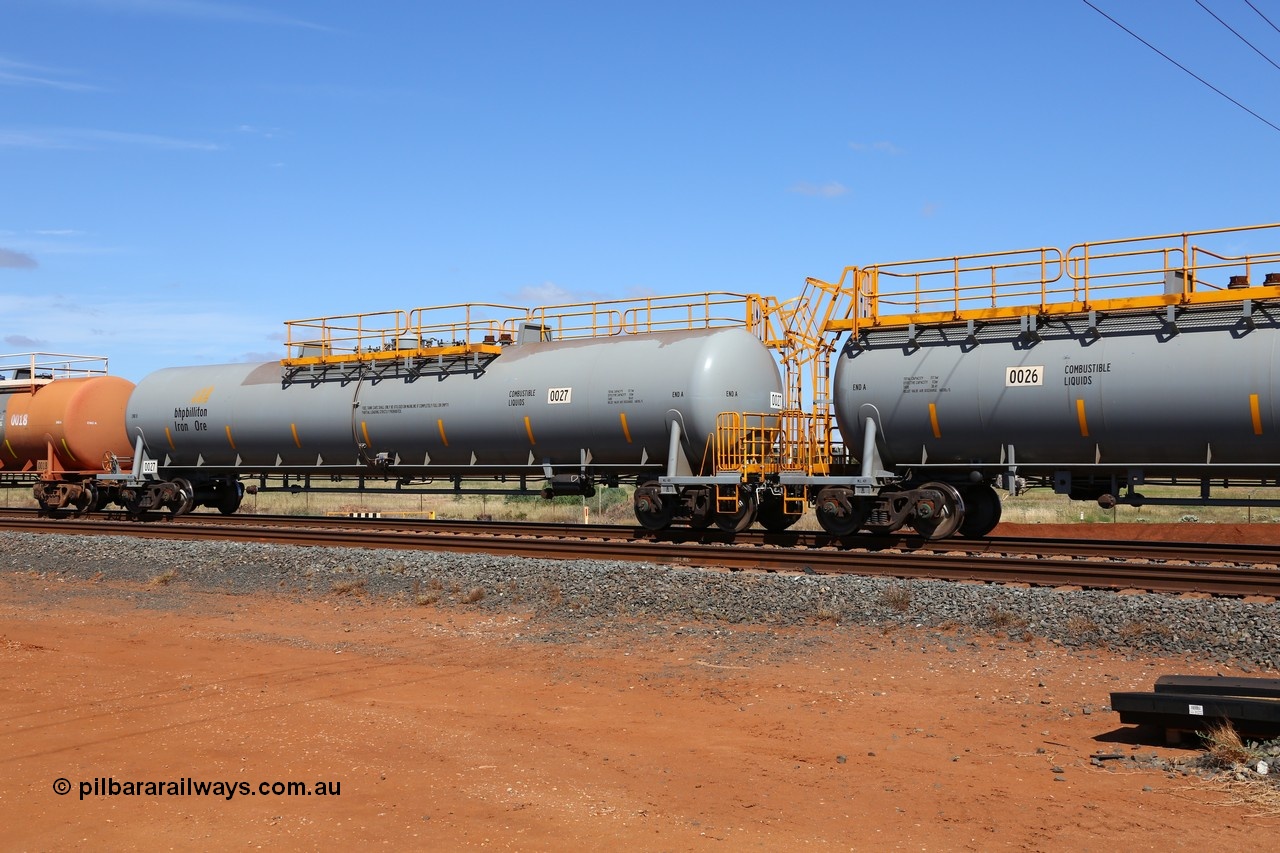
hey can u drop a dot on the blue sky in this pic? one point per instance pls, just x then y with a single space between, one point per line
180 177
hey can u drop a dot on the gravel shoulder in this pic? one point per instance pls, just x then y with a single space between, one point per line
520 704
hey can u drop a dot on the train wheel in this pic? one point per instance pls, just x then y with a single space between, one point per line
772 517
742 516
186 499
87 501
839 512
131 500
981 511
939 511
652 511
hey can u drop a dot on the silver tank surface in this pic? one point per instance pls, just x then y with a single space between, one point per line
608 401
1139 394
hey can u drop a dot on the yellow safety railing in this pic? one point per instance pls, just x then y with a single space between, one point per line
458 330
1187 268
717 309
766 444
385 335
951 286
453 326
1124 272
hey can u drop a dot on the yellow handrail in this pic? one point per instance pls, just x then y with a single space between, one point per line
1136 272
485 327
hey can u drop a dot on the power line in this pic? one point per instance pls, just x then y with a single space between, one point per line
1262 16
1237 35
1180 65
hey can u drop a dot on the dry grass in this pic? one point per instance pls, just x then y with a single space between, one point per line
1229 755
828 613
423 599
608 506
1041 506
1262 798
1224 748
163 579
355 586
1082 626
476 593
896 597
1003 620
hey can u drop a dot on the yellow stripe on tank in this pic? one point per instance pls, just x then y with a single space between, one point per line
622 416
1257 414
169 437
294 429
933 421
1084 422
70 455
364 428
528 430
12 452
440 424
230 440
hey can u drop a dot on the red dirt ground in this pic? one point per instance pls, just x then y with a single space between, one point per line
454 728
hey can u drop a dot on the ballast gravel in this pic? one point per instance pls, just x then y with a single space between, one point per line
1201 629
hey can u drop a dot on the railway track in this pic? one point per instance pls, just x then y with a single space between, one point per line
1208 568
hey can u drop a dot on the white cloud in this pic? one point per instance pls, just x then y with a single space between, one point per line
254 130
549 293
827 190
15 73
881 147
39 243
272 355
203 10
28 139
94 139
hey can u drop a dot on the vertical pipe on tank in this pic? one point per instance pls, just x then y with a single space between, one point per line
673 451
870 457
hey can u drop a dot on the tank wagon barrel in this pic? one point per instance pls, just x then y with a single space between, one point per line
62 423
1095 370
570 396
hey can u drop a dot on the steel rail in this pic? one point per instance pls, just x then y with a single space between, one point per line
1260 555
1101 549
946 565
